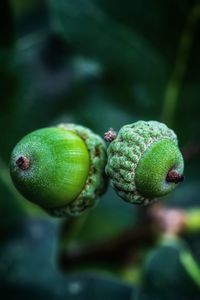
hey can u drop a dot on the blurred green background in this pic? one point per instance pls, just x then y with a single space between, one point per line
102 64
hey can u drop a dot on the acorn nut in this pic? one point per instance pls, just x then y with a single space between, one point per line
60 168
144 161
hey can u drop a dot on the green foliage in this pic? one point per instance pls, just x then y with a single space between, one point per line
28 272
101 64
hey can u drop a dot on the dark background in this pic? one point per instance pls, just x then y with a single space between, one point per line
102 64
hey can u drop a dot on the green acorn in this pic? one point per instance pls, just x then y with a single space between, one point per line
60 168
144 161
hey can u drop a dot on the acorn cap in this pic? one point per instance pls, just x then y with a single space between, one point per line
139 160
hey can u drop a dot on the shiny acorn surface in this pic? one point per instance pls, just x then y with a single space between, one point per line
52 167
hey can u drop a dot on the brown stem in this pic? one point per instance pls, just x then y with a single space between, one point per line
174 176
23 163
110 135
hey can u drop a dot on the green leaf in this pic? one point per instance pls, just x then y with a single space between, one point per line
28 269
131 62
167 271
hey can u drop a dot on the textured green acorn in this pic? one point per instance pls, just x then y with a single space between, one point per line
144 161
60 168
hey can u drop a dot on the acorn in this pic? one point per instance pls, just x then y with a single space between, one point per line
144 162
60 168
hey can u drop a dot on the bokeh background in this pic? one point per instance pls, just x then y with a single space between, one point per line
102 64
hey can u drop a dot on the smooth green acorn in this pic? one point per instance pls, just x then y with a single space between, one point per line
144 161
60 168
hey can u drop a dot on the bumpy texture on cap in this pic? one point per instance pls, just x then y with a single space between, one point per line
132 162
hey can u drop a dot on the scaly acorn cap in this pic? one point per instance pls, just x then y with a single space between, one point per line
144 161
60 168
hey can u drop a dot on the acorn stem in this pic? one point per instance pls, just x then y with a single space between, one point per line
110 135
70 229
174 176
23 163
